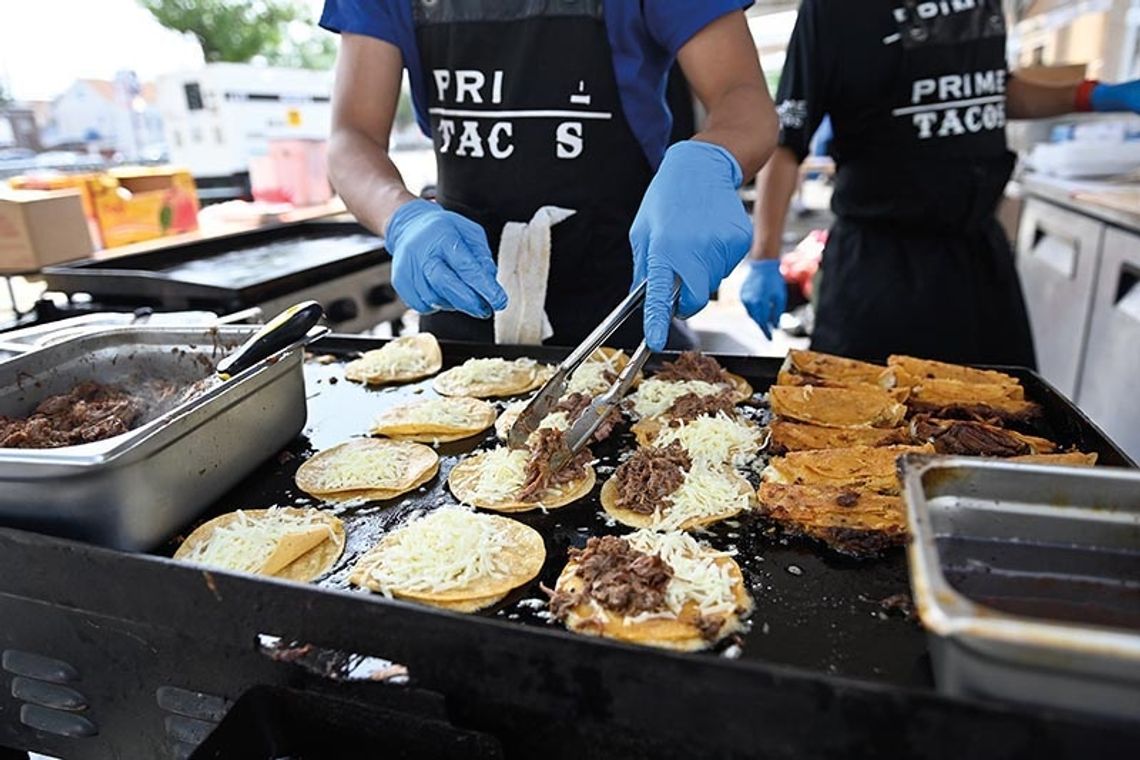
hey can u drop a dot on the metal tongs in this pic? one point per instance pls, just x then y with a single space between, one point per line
579 433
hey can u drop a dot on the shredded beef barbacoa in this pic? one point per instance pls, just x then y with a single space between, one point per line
646 478
540 476
693 366
88 412
969 438
617 576
691 405
576 403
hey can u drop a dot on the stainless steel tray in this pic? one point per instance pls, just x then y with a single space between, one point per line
134 490
1027 579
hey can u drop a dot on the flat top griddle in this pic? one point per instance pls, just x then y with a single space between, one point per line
815 609
243 268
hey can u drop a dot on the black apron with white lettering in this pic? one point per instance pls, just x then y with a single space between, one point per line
917 262
525 113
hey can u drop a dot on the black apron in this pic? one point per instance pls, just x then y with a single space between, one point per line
917 262
525 113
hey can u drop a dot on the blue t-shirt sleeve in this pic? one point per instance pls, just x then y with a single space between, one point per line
672 23
373 18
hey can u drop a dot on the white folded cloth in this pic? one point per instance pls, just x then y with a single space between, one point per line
524 268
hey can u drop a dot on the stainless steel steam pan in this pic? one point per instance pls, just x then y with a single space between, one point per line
1027 579
135 490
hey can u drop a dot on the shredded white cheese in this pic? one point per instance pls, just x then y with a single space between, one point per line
400 355
654 397
502 473
496 370
447 549
715 439
706 491
382 467
248 541
697 576
590 377
452 411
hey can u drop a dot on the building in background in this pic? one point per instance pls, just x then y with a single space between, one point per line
117 118
18 127
222 116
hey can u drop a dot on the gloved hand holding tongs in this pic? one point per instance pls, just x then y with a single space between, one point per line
582 430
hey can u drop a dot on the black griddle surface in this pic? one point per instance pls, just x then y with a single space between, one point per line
814 609
249 265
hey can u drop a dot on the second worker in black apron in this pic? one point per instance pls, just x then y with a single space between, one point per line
918 94
556 108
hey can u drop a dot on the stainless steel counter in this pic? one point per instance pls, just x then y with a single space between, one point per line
1057 193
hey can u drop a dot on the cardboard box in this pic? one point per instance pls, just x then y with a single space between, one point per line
133 204
83 182
40 228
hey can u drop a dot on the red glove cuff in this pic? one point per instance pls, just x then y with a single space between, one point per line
1083 101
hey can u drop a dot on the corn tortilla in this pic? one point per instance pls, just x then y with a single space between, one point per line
524 553
609 499
371 370
679 633
521 376
464 478
297 560
353 466
404 423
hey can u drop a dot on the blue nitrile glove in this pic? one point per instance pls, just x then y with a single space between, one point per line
692 225
765 294
441 261
1124 96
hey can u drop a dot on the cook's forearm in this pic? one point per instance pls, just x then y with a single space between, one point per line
743 121
364 175
1026 100
775 186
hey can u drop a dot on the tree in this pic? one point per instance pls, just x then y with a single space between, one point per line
238 31
5 98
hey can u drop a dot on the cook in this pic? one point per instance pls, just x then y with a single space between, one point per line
919 94
551 104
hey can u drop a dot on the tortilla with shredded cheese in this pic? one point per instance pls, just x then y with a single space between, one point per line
491 480
435 420
510 415
705 582
290 543
590 377
402 360
486 378
710 493
368 468
720 438
453 558
654 397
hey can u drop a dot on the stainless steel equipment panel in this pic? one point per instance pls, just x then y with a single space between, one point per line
1058 253
1108 391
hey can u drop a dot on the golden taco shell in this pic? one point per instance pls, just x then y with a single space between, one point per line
420 561
401 360
375 465
486 378
433 420
609 499
307 544
464 484
837 407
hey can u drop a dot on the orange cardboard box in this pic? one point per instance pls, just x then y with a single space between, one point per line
139 203
39 228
